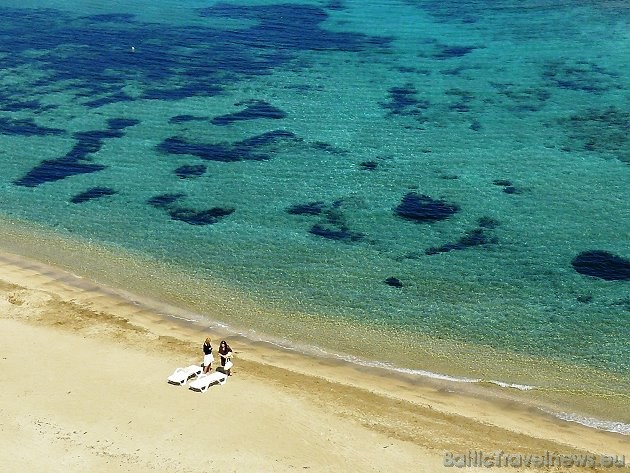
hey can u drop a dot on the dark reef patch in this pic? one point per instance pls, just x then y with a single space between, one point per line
12 105
55 170
328 148
393 282
448 52
200 217
422 208
335 5
164 200
604 131
580 75
88 142
334 232
471 238
254 109
93 193
502 182
522 99
26 127
512 190
185 118
332 223
292 27
92 57
403 101
488 222
245 150
310 208
121 123
602 265
186 214
188 171
368 165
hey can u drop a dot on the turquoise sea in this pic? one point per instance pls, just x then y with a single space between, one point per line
440 187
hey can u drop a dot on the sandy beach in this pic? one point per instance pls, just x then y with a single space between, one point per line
84 389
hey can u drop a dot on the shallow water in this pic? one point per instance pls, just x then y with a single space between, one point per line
303 154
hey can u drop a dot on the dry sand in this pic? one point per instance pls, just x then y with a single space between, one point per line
84 389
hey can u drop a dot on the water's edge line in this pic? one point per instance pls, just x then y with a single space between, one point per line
168 310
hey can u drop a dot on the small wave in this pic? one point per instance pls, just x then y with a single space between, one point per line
430 374
520 387
592 422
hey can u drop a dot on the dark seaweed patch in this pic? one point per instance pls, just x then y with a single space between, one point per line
393 282
94 53
512 190
472 238
585 76
199 217
291 26
488 222
368 165
88 142
332 223
17 105
328 148
254 109
403 101
54 170
239 151
602 265
186 214
310 208
26 127
449 52
522 99
604 131
121 123
93 193
332 232
190 170
335 5
502 182
422 208
184 118
164 200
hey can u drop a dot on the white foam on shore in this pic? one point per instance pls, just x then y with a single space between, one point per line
354 360
592 422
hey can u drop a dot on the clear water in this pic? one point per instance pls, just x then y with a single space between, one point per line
267 147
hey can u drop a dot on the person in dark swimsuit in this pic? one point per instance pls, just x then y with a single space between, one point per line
225 352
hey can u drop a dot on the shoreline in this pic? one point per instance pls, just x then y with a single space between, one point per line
191 323
439 399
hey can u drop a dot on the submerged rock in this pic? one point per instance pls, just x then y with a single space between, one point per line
393 282
310 208
199 217
602 265
190 170
93 193
422 208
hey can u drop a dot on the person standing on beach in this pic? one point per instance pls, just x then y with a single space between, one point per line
208 357
225 352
